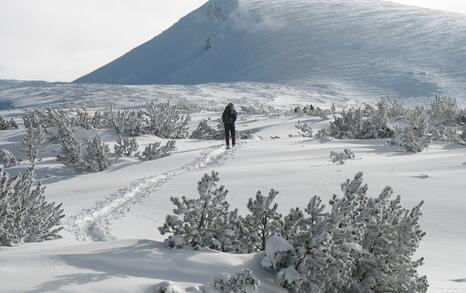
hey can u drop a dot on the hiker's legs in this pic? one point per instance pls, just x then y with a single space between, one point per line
233 135
227 135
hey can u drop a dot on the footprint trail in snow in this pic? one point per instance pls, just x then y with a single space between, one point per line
94 223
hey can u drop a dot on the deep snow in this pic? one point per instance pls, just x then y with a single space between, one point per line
111 242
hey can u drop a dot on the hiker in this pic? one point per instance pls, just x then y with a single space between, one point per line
229 118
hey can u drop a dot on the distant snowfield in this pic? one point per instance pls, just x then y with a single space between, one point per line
111 242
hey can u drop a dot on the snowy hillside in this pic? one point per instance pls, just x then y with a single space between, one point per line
363 46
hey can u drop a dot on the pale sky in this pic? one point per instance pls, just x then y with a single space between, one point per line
61 40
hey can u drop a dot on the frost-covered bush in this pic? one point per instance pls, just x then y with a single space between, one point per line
260 110
312 110
341 249
32 142
25 214
156 151
7 124
444 110
7 159
264 218
125 146
167 121
205 131
390 109
305 130
83 119
97 154
167 287
125 122
242 281
416 134
199 222
71 154
361 124
88 155
341 157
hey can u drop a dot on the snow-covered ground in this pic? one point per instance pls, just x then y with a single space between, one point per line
111 243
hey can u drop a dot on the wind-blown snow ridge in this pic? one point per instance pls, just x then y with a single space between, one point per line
93 224
378 46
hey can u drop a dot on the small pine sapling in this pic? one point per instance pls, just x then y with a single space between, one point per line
32 142
341 157
125 146
97 154
156 151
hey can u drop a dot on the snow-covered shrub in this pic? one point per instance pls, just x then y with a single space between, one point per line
156 151
32 142
361 124
25 214
167 121
7 124
264 218
83 119
130 123
312 110
167 287
259 110
305 130
125 146
97 155
463 135
242 281
446 133
71 154
390 109
416 134
321 133
7 159
341 249
341 157
444 110
199 222
204 131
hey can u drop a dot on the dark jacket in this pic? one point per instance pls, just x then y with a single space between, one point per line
229 116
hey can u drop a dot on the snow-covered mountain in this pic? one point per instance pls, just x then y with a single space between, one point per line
367 45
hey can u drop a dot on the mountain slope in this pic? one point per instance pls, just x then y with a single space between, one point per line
376 46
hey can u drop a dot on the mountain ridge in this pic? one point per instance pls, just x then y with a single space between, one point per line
379 45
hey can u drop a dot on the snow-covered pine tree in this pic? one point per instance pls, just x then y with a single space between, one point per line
292 224
25 214
361 244
167 121
391 237
125 146
416 135
305 130
97 154
444 110
71 149
8 159
156 151
32 142
341 157
204 131
264 218
197 222
242 281
83 119
7 124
